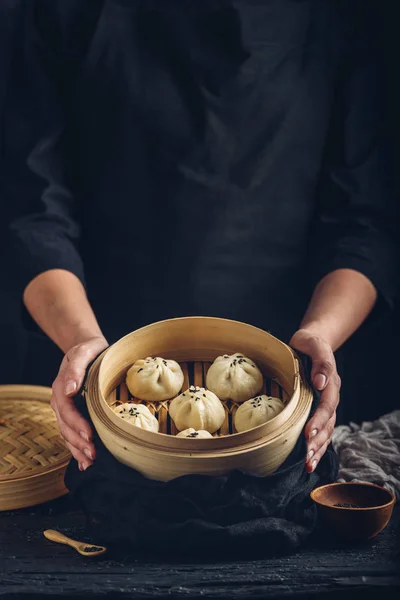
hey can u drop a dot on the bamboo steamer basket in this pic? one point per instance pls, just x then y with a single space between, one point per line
195 342
33 457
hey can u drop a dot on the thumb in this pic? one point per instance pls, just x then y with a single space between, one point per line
323 365
74 365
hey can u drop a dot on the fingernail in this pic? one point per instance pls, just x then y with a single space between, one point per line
314 464
84 435
320 381
313 433
88 453
310 454
80 466
84 467
70 387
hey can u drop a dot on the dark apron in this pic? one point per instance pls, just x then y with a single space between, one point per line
196 137
198 141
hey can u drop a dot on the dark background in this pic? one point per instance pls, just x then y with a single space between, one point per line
369 361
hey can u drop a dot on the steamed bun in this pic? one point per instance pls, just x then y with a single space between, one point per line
257 411
154 379
197 408
138 415
193 434
234 377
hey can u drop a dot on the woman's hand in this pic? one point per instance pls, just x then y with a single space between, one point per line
57 301
325 378
73 427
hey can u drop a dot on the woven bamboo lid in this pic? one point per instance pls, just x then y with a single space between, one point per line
33 457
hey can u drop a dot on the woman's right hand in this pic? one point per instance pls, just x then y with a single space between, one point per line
75 430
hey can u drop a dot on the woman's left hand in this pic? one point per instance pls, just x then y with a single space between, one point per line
325 378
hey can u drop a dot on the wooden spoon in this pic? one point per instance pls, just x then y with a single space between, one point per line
81 547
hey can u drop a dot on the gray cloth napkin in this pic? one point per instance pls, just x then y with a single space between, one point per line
370 451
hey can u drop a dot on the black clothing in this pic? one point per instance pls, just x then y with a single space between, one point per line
179 156
12 353
237 513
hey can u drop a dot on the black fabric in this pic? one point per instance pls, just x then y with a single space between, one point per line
238 513
12 352
176 155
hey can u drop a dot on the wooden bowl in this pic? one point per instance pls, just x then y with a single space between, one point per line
197 341
374 509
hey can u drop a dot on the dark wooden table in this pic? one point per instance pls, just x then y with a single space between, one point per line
31 567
